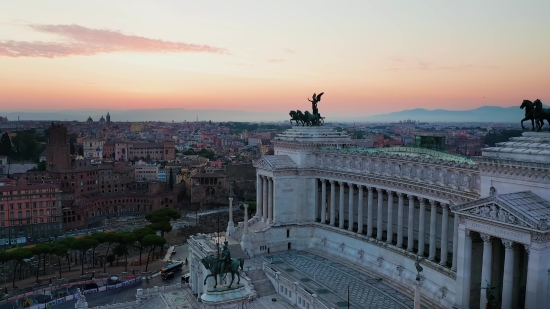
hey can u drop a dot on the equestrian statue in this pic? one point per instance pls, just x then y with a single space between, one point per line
529 113
541 114
306 118
225 264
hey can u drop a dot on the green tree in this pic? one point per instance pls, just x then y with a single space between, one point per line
99 237
251 208
152 242
25 147
19 255
110 258
163 227
171 180
140 235
4 257
60 250
41 249
125 239
163 214
67 242
109 239
41 167
5 145
82 245
72 148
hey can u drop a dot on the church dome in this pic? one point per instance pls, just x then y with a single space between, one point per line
101 119
89 119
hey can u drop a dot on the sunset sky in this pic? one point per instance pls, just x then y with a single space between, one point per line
369 57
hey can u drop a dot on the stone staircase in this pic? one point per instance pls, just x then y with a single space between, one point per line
262 285
237 252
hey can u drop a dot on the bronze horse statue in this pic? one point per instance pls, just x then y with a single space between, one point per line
296 117
529 113
541 114
306 118
211 263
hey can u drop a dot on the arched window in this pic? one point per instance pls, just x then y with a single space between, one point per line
41 212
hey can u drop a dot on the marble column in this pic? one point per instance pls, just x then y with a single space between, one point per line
270 201
455 242
230 223
537 274
486 267
323 201
464 271
360 210
389 233
259 196
351 220
399 220
369 211
379 214
332 202
433 230
264 203
444 233
508 280
421 226
410 223
341 206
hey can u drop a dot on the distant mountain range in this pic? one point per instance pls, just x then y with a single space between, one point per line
482 114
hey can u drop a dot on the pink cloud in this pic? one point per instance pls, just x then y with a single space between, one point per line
275 60
82 41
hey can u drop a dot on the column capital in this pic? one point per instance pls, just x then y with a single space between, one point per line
444 206
468 233
508 244
350 184
389 192
410 197
379 190
369 188
341 183
400 195
433 203
360 187
486 237
331 181
323 180
527 249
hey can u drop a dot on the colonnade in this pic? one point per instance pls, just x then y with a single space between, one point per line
264 198
504 279
385 223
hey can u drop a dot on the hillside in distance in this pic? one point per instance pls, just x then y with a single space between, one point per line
482 114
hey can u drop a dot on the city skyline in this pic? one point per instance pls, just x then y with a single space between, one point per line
369 58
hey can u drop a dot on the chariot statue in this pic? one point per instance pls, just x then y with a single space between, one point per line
223 265
306 118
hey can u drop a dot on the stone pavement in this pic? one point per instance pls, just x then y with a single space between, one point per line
332 280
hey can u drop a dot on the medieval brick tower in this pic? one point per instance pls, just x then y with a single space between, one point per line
58 151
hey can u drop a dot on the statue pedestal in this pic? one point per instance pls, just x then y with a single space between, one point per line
223 297
230 228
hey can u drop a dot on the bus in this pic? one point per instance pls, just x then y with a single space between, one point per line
169 270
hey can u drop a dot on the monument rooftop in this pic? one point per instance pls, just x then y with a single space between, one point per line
532 146
406 152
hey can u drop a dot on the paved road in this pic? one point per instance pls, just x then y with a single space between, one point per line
123 294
